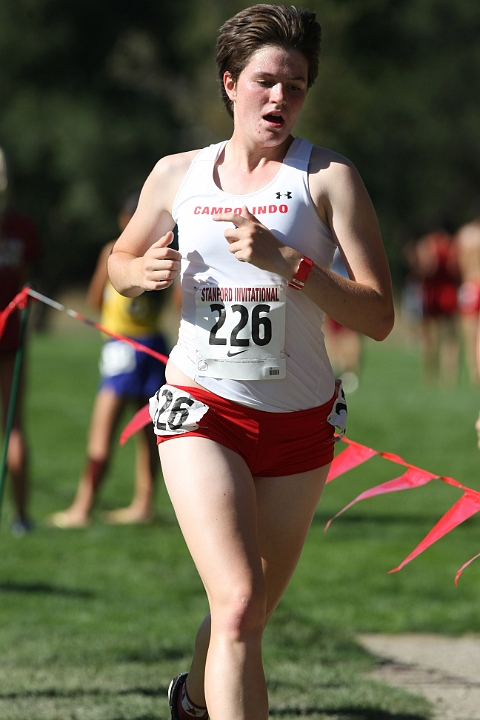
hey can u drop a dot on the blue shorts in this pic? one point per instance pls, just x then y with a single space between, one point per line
132 373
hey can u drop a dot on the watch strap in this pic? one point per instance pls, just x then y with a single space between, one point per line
298 280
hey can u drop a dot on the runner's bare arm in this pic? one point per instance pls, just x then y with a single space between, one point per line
363 302
97 283
141 258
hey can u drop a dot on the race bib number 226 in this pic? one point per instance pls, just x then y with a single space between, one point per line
240 332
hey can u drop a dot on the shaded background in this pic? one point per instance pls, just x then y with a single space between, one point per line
93 92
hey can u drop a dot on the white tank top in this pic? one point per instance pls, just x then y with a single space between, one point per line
210 271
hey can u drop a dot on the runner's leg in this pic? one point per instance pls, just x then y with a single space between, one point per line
17 457
106 413
213 494
285 508
147 465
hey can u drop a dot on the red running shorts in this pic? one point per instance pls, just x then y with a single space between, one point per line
272 444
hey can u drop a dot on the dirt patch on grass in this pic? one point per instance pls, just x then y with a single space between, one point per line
445 670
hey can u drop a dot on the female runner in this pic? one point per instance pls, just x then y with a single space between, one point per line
244 422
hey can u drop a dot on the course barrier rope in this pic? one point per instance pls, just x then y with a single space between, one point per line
354 454
20 300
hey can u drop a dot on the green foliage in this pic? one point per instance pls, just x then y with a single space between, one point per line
92 94
90 100
395 95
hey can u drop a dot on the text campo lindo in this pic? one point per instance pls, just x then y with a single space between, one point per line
260 210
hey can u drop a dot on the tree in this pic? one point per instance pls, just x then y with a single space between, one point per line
93 93
90 95
395 94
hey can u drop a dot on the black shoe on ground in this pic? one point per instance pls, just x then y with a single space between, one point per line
173 691
21 526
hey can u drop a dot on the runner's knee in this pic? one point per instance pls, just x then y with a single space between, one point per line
241 614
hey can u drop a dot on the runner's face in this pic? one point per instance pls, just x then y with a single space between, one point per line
269 93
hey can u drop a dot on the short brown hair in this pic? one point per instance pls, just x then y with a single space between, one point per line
260 25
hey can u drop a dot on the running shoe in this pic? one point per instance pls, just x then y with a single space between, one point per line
20 527
173 690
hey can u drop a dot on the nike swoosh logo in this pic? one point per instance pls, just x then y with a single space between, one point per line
230 354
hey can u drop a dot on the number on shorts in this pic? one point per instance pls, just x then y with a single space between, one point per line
178 414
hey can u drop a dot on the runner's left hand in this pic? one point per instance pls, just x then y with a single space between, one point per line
252 242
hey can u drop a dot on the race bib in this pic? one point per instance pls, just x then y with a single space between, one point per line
240 332
175 411
117 357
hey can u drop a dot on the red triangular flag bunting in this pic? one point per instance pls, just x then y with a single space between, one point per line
139 420
19 301
355 454
457 576
465 507
414 477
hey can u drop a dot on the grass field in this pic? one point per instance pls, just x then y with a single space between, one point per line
94 623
